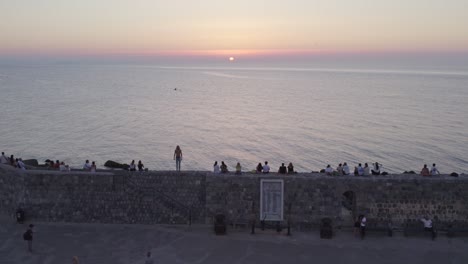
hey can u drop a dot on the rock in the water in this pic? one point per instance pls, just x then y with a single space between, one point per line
116 165
31 162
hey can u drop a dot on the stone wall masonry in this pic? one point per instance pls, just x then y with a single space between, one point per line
172 197
11 189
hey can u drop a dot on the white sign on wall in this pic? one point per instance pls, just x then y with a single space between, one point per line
271 199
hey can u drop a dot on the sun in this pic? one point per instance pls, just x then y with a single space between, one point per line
231 59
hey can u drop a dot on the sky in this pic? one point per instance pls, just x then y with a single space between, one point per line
232 28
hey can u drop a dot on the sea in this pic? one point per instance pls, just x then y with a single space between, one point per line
310 114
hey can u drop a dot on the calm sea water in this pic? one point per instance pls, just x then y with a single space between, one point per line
305 115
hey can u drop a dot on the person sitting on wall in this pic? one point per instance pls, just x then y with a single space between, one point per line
51 165
434 170
425 171
282 169
3 159
356 171
12 161
266 167
224 168
87 166
64 167
366 170
140 165
216 167
360 170
21 164
329 170
290 168
132 166
238 168
345 169
93 167
259 168
339 169
376 170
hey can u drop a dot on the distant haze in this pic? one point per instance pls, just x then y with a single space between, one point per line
182 28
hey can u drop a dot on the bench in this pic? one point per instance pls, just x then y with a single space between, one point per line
414 228
457 228
379 226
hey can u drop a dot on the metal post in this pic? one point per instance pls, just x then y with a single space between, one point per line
190 217
253 228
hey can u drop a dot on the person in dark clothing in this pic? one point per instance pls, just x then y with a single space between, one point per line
259 168
28 236
140 166
223 167
282 169
290 168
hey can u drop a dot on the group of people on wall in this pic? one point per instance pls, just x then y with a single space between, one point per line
15 162
341 169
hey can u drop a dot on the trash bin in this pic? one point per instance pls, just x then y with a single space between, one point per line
20 216
220 224
326 229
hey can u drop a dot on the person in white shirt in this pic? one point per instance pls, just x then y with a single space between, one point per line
366 170
360 170
434 170
345 169
3 159
216 167
132 166
329 170
64 167
266 168
87 166
428 226
363 226
21 164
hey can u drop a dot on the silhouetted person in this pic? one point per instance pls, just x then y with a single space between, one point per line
425 171
178 157
259 168
290 168
28 236
224 168
282 169
376 170
140 165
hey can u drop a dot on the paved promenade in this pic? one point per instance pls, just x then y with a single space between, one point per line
56 243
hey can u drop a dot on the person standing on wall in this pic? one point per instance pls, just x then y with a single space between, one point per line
178 157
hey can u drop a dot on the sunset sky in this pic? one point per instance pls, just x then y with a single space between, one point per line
247 27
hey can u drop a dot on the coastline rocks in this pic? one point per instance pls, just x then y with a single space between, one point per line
31 162
115 165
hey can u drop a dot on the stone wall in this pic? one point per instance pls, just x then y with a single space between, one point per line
171 197
311 197
11 189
